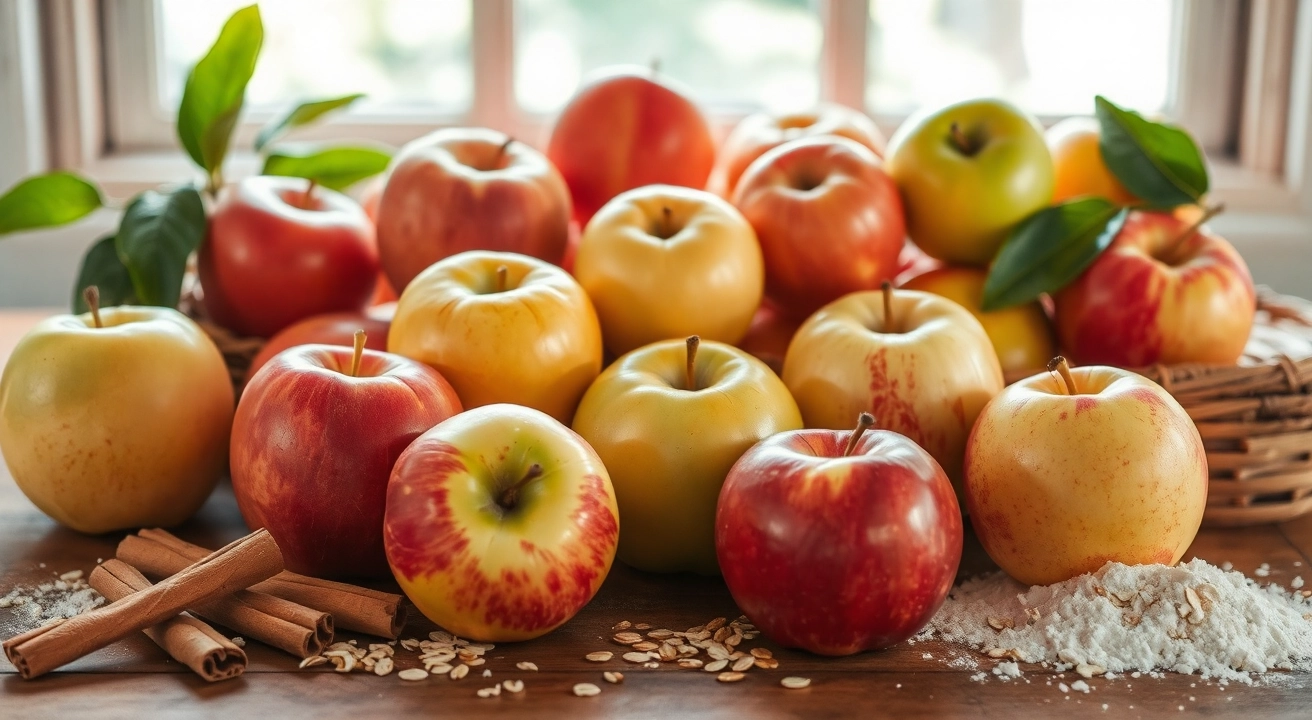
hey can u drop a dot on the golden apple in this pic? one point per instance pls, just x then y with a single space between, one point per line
1078 169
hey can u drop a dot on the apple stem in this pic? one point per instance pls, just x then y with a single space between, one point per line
510 495
501 151
92 297
360 338
690 369
887 287
1063 368
1208 214
961 141
503 273
309 194
864 422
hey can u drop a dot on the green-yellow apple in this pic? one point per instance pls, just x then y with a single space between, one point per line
501 523
1166 290
1065 473
669 420
116 418
920 363
501 327
663 262
968 173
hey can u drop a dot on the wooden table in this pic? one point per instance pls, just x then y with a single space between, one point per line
135 679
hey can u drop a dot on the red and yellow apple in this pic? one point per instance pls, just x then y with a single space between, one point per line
1164 291
277 252
1078 168
1065 474
315 437
501 523
116 419
625 129
920 363
759 132
837 542
460 189
502 328
669 420
330 329
968 173
665 262
828 218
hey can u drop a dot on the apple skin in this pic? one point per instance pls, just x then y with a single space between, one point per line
669 448
697 272
272 258
1143 302
625 129
760 132
456 190
483 571
928 379
330 329
117 427
960 205
822 207
1058 485
536 343
313 448
833 554
768 337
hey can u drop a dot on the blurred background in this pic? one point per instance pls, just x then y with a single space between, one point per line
90 84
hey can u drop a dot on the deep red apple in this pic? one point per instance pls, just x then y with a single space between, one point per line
838 541
329 329
315 437
274 256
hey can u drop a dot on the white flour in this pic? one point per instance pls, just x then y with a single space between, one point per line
1192 618
32 607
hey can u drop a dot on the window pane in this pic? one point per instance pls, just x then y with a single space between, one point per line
1049 56
735 53
406 54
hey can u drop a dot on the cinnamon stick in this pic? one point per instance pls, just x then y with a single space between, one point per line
372 612
186 639
223 572
286 625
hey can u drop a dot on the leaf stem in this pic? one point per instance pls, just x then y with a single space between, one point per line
864 422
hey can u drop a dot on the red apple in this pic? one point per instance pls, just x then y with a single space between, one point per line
626 129
822 208
462 189
1165 291
313 444
330 329
912 263
838 541
769 335
274 256
369 199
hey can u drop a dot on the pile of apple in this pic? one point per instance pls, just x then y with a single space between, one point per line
580 362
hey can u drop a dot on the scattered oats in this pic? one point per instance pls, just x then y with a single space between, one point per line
527 666
489 692
439 668
353 642
651 665
728 677
797 683
239 642
487 673
627 638
999 624
645 646
762 653
717 651
441 636
622 625
513 686
716 666
410 644
342 660
71 575
383 666
667 652
688 650
1080 686
744 663
601 656
1064 688
660 634
312 661
614 678
642 626
690 663
458 672
637 657
715 624
586 690
475 661
382 648
1087 670
767 663
413 674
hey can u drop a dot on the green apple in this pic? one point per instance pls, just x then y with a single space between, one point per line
968 173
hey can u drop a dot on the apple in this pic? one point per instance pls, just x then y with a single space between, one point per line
968 173
913 262
278 252
116 418
370 196
920 363
501 523
669 420
666 262
1065 473
625 129
460 189
315 437
759 132
1078 168
768 336
1166 290
822 208
1021 335
329 329
838 542
501 327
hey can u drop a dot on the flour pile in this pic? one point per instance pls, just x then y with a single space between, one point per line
1192 618
58 599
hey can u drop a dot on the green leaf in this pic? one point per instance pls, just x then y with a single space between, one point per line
46 201
158 232
1049 249
216 89
303 114
1159 163
102 268
332 167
